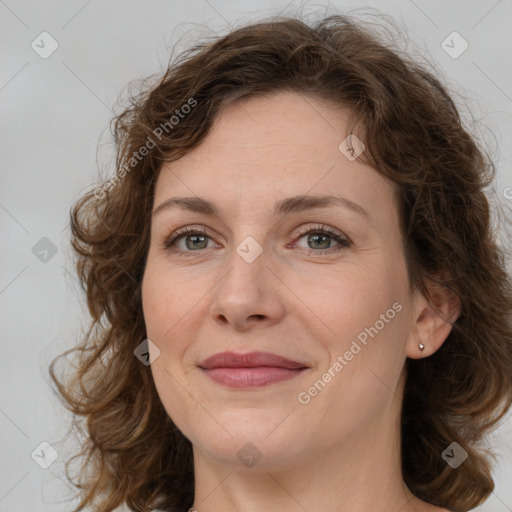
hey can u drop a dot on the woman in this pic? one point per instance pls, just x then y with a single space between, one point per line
297 299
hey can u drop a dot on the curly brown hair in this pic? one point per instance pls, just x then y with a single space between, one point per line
414 136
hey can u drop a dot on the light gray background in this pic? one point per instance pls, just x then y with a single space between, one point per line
54 113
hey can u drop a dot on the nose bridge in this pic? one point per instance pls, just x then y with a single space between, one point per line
241 294
247 264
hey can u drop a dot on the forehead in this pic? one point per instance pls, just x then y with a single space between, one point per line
275 146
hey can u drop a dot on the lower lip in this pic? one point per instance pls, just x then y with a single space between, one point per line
251 377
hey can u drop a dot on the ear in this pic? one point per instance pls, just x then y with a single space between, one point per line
433 321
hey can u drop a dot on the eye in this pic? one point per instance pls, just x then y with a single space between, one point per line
319 238
193 238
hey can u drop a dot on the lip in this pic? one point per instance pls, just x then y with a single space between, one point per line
253 369
249 360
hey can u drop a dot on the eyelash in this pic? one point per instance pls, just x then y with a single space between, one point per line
343 241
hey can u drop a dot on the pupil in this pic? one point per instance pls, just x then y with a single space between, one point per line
316 237
195 238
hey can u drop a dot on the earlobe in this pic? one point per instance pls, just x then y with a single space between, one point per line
433 322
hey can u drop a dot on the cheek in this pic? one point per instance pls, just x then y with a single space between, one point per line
366 354
175 303
164 310
367 313
167 303
356 300
157 303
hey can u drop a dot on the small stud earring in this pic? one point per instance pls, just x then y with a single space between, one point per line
421 346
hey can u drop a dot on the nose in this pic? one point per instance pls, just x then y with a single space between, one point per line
247 294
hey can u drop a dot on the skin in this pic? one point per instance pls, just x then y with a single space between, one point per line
341 450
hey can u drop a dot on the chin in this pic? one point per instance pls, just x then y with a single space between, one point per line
255 439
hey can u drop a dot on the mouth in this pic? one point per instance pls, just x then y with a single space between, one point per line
254 369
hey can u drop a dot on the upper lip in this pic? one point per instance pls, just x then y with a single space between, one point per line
248 360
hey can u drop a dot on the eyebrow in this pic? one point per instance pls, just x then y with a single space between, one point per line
283 206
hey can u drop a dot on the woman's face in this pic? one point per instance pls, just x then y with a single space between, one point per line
262 275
